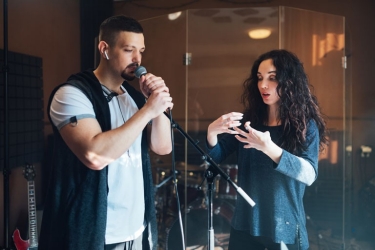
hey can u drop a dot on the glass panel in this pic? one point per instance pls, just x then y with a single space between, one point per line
165 41
220 52
319 41
222 55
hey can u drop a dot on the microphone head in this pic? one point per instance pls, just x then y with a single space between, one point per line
140 71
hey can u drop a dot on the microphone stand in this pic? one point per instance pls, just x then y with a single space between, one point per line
6 168
210 175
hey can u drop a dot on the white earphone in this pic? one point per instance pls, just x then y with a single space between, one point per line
106 55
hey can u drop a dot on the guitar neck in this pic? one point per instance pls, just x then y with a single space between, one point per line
33 234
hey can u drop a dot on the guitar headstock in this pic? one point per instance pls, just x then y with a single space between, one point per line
29 172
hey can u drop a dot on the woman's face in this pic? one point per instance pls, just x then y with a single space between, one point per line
267 83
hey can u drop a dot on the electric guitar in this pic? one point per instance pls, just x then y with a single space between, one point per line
32 242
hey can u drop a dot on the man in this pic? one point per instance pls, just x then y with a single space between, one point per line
101 189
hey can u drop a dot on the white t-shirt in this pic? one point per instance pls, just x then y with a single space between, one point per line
125 211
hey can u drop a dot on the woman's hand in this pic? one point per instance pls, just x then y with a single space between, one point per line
259 140
253 138
223 124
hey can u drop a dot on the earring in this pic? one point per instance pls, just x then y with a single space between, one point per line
106 55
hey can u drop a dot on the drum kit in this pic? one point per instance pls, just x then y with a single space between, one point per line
193 206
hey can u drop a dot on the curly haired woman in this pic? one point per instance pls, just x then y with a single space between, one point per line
277 139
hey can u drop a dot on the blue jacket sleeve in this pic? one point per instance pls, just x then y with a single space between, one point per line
304 166
226 146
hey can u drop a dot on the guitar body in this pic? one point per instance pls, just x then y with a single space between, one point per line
19 242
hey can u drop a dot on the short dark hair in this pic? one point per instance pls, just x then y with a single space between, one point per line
115 24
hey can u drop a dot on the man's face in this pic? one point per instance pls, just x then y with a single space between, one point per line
126 54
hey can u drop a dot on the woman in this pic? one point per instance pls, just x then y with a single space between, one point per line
277 154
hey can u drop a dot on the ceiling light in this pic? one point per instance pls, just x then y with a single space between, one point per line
259 33
174 16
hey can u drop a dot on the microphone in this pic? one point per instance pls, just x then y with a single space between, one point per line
140 71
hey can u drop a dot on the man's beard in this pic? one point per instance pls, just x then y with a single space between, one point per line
127 77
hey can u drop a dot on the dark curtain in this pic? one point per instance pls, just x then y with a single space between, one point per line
92 14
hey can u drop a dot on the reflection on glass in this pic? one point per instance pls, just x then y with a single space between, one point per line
321 46
259 33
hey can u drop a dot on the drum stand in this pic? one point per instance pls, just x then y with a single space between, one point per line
210 175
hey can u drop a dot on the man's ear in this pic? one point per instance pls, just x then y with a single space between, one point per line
103 48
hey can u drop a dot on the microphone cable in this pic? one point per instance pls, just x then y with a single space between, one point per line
175 182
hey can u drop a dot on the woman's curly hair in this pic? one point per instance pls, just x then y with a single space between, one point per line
297 104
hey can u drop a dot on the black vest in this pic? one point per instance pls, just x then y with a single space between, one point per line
75 209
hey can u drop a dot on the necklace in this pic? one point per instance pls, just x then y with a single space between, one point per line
109 96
